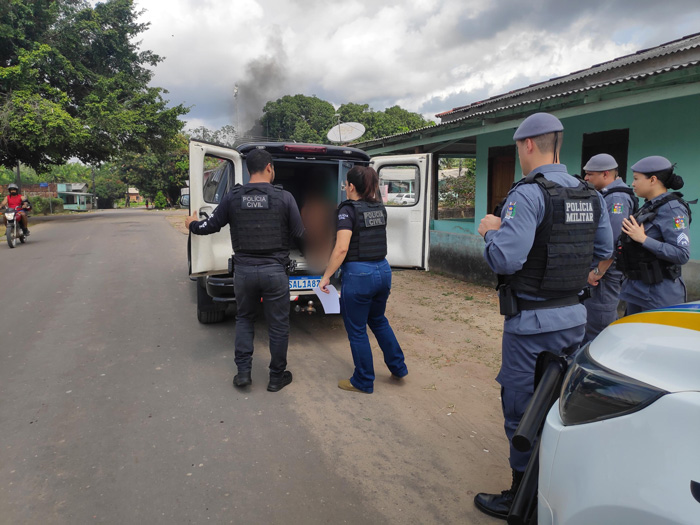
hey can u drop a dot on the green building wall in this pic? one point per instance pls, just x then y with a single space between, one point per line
668 128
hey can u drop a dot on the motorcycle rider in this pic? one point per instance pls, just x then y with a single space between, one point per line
18 203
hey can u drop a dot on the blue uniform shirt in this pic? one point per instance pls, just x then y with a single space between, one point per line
508 247
668 238
620 206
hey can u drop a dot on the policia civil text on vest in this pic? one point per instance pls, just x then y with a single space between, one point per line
559 261
370 224
257 220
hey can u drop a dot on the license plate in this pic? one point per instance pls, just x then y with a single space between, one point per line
304 283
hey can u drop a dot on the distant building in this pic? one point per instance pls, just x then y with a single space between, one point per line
75 196
134 195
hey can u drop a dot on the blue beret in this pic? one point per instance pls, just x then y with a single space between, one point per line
536 125
601 162
652 164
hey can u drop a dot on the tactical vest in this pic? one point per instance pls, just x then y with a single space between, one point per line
561 254
368 241
259 225
638 263
629 191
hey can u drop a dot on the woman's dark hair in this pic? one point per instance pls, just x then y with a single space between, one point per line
669 179
366 182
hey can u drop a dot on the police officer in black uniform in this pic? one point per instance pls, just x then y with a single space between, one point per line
263 219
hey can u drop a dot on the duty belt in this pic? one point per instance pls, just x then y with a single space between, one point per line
524 304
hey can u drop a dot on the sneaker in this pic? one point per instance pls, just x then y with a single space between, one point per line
345 384
278 383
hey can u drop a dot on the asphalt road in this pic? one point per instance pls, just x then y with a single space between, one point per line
116 406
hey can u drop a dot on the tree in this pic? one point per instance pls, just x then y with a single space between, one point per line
306 117
457 191
155 171
108 185
73 83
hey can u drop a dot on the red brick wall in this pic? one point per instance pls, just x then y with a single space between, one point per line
33 190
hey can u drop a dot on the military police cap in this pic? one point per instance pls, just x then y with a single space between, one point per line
538 124
601 162
652 164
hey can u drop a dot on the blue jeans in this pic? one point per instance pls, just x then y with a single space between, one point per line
364 292
270 283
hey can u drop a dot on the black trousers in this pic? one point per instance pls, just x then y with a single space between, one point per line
270 283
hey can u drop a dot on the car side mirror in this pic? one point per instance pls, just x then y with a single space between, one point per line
185 200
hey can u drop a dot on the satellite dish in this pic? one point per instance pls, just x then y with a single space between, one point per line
345 132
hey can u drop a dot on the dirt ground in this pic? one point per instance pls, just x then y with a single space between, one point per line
422 449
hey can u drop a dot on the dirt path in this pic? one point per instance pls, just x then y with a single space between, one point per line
419 451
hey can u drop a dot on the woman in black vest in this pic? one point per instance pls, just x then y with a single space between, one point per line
360 248
655 242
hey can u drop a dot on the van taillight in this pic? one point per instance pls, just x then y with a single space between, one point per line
301 148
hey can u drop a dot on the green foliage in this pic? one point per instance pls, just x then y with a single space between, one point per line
298 117
152 172
159 202
73 83
308 119
44 205
457 191
108 185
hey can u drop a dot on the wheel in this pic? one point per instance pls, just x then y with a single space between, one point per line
208 310
9 233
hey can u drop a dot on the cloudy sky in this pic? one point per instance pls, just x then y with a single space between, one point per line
427 56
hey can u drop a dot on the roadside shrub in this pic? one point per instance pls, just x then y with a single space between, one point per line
38 204
44 206
160 202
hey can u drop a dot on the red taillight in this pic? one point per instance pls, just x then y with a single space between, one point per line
303 148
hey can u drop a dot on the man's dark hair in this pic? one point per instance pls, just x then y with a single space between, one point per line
545 143
257 159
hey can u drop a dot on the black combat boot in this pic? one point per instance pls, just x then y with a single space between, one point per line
498 505
242 378
278 383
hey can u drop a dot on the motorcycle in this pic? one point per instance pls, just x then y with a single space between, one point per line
13 230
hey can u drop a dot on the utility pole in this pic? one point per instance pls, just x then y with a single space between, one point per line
236 108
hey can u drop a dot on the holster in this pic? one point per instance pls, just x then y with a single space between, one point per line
651 272
507 301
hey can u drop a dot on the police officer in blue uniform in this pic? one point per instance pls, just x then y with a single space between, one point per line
605 279
360 248
547 212
655 242
264 220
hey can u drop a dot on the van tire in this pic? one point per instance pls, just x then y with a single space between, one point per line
208 310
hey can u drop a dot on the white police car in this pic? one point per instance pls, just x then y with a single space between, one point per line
622 444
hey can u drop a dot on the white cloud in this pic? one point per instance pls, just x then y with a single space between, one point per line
418 54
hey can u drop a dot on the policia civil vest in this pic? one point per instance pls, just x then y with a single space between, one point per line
560 258
638 263
368 241
259 226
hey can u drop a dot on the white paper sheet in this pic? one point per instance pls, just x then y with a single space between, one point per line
330 301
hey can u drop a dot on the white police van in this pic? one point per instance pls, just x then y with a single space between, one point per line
311 173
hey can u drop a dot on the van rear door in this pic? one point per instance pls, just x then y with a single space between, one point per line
408 226
213 171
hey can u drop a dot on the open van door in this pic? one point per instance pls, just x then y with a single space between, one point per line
408 226
214 170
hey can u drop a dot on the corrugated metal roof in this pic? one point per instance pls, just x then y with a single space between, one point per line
669 48
548 97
